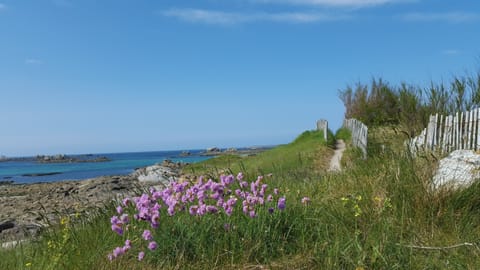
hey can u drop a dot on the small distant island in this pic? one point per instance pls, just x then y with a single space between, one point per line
61 158
250 151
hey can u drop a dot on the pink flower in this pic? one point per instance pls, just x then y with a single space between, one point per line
147 235
114 220
116 228
232 201
243 184
118 252
128 243
126 201
305 200
281 203
152 245
229 211
171 210
212 209
154 221
193 210
124 218
229 180
141 255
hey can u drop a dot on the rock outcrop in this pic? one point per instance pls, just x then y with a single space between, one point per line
69 159
459 169
26 208
162 173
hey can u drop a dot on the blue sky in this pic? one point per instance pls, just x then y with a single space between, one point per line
89 76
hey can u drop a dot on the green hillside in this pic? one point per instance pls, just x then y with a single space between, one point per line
377 213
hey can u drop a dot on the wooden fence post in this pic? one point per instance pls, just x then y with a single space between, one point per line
477 146
359 134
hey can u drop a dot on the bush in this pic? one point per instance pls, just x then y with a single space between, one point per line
379 103
343 134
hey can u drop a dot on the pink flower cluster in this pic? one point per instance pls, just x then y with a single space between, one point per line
200 198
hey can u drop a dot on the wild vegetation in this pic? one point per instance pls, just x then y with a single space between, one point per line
381 103
378 213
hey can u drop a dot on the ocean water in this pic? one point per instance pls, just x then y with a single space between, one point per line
119 164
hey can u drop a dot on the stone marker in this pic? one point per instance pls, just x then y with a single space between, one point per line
322 125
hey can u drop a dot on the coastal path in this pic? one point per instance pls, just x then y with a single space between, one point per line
337 157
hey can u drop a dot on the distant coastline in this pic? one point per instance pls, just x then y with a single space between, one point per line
58 168
57 159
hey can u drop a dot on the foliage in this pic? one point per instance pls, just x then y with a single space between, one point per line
343 134
369 216
294 160
380 103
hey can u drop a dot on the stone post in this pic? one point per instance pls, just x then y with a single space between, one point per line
322 125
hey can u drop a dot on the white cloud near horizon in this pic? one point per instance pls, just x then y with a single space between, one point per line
334 3
451 17
231 18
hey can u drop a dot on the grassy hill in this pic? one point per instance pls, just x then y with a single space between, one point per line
377 213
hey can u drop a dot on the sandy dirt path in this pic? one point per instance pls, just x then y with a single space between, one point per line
337 157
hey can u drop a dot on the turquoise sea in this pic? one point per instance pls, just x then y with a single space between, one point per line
119 164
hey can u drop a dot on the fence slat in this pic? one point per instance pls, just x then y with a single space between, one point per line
446 133
359 134
470 129
477 147
455 126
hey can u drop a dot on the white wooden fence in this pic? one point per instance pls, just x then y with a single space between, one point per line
359 134
448 133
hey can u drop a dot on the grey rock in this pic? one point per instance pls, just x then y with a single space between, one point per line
185 154
156 173
213 150
459 169
5 225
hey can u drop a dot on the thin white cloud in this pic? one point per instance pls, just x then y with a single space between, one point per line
451 17
230 18
33 61
62 3
334 3
451 52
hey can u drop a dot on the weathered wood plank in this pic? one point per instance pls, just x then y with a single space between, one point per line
477 145
359 134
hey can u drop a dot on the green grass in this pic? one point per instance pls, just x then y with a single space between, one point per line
366 216
297 159
343 134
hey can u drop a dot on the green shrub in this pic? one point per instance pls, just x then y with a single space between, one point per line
343 134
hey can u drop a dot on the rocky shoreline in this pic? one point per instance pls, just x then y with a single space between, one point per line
27 208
